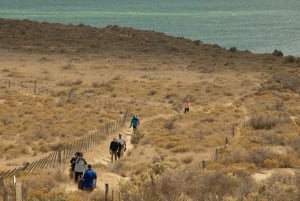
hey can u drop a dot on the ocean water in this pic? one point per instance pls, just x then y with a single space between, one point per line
260 26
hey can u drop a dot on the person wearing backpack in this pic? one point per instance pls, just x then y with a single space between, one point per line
80 167
72 162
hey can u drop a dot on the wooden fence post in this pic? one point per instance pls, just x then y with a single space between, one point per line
59 154
5 194
203 164
18 190
112 195
34 90
226 140
233 130
119 196
106 192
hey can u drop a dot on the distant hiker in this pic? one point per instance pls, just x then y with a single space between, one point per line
89 179
113 149
72 161
135 122
123 146
80 167
187 105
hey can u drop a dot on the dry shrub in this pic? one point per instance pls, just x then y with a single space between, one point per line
189 185
267 121
287 80
43 195
289 59
280 186
287 160
152 92
295 145
259 155
187 159
238 155
170 145
68 83
271 163
273 138
170 125
108 86
45 182
120 167
135 138
181 149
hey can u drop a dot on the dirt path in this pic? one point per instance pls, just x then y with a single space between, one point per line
99 155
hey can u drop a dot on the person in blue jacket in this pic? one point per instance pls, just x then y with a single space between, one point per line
135 122
89 179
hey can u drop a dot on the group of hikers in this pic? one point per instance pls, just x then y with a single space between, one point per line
84 175
82 172
117 148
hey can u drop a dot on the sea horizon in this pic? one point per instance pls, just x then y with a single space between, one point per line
259 27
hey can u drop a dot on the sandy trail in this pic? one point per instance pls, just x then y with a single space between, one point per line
99 154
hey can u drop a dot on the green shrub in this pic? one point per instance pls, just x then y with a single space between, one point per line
277 53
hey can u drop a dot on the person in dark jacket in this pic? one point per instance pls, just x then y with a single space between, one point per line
114 147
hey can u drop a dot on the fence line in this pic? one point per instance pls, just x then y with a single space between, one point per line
64 152
14 191
31 87
216 155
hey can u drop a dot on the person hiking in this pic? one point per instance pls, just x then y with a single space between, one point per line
89 179
80 166
72 162
187 105
135 122
114 147
122 146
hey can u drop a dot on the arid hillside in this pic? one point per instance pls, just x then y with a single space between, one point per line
59 82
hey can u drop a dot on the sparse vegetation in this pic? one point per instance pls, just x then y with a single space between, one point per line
93 81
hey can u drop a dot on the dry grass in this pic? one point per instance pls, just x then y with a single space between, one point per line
151 75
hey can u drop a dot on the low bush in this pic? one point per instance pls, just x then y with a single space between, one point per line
267 121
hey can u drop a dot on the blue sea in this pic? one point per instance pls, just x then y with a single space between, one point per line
260 26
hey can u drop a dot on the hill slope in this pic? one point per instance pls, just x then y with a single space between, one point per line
91 75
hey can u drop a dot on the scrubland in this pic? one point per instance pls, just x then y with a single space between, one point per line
240 140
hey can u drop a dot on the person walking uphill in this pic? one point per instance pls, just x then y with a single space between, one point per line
135 122
122 146
89 179
187 105
113 149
